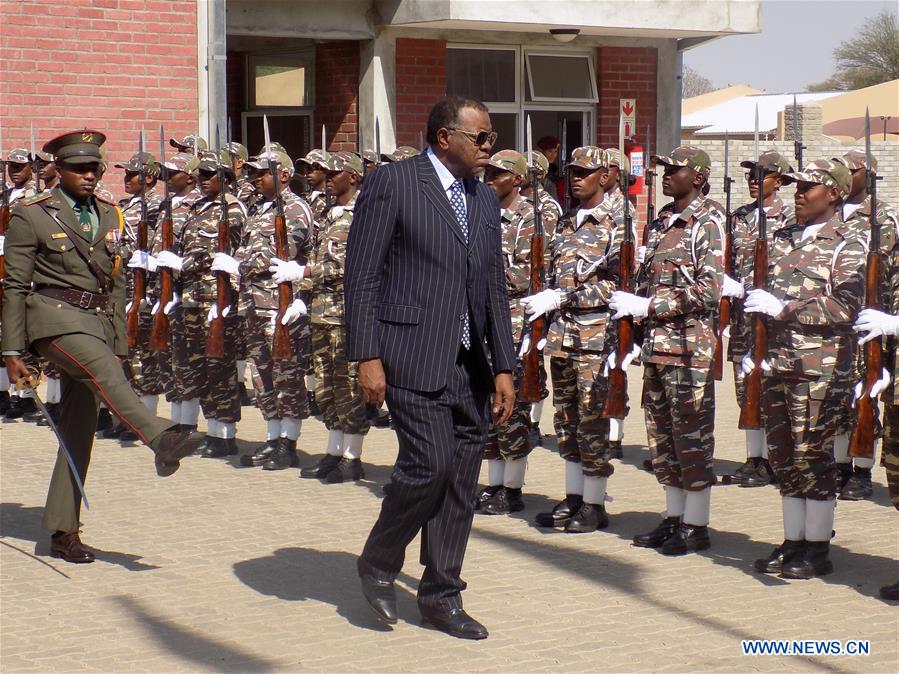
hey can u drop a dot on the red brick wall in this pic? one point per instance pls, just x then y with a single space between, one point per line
111 65
626 72
336 94
420 82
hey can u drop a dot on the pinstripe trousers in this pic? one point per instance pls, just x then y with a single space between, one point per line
441 438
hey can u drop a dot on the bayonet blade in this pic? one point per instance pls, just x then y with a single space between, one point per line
268 139
868 157
726 154
648 148
529 139
33 155
378 138
324 139
756 134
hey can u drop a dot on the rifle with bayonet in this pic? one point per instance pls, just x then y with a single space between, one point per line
531 389
724 304
798 147
159 336
281 347
566 198
215 345
615 405
862 443
139 291
751 412
650 183
35 165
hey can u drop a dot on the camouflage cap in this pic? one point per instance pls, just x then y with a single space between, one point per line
184 162
511 161
138 162
856 159
45 157
538 161
210 160
371 156
235 149
615 159
260 161
771 161
401 153
823 172
316 159
685 155
18 156
276 146
76 147
589 157
193 141
346 161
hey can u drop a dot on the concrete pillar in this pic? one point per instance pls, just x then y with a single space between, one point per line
668 97
377 91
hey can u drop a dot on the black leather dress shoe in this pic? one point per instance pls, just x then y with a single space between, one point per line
260 456
786 551
657 537
564 511
587 519
381 597
69 548
687 538
320 470
455 622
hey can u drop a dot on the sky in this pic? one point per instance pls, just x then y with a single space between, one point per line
810 29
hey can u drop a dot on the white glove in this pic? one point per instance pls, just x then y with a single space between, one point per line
761 301
226 263
641 254
542 304
214 313
748 365
285 272
628 304
141 259
2 240
875 323
732 288
294 311
612 360
876 389
526 345
176 300
169 259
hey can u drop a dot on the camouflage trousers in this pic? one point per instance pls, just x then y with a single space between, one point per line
174 386
150 370
280 384
579 392
337 381
241 343
511 441
679 406
740 388
802 417
891 448
212 380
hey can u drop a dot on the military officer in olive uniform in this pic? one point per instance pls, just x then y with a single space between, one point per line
64 301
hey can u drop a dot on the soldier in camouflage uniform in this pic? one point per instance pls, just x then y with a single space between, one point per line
280 382
507 447
756 471
815 286
315 169
192 144
213 380
873 324
337 380
242 187
149 370
370 161
678 291
183 193
855 473
584 275
47 170
400 153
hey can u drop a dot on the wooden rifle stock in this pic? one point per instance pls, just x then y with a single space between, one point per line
132 320
615 406
530 389
281 347
751 413
215 344
159 337
723 312
862 444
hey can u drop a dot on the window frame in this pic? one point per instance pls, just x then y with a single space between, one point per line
560 53
516 104
306 59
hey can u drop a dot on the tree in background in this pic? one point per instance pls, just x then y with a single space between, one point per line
868 58
694 84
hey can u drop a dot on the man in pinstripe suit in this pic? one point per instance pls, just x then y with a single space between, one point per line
425 302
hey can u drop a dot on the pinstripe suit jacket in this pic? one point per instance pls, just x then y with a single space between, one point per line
410 277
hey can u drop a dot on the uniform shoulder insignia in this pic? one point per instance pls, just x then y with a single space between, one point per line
36 198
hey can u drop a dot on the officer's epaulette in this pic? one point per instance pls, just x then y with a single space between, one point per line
36 198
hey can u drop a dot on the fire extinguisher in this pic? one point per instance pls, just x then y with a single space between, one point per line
636 158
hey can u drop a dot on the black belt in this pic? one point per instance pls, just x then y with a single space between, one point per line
77 298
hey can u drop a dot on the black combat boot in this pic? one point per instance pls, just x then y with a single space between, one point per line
485 494
858 487
115 432
5 401
785 552
844 473
587 519
617 451
657 537
813 562
14 411
261 455
535 439
284 456
348 470
217 448
496 503
687 538
29 410
314 410
320 470
749 467
562 513
761 477
514 499
104 420
244 395
128 436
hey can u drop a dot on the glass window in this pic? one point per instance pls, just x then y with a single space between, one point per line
506 126
280 81
556 77
484 74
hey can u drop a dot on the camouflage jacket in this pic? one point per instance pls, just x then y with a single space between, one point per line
131 211
101 192
18 193
180 211
245 192
326 273
821 280
257 289
585 265
682 272
199 243
316 202
744 223
517 229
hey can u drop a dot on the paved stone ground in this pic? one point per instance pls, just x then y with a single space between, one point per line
225 569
